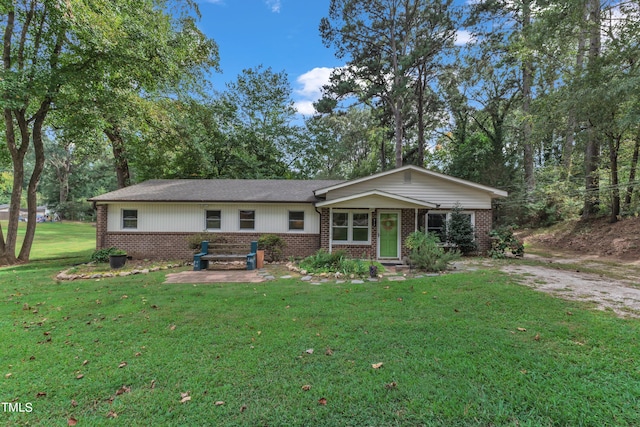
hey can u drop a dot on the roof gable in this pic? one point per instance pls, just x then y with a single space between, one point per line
494 192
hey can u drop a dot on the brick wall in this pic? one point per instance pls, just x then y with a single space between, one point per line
484 222
174 245
101 226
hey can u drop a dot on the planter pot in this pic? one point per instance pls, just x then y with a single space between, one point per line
259 258
117 261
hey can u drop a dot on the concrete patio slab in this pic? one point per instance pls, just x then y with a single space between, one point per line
215 276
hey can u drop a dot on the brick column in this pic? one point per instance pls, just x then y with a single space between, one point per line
101 226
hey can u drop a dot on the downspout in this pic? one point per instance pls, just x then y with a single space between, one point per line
330 233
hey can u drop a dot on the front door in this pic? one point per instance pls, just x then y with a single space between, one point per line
388 232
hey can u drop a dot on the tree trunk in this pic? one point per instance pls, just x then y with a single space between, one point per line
592 147
567 150
632 174
119 155
614 147
527 79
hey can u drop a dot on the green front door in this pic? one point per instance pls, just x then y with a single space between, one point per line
388 240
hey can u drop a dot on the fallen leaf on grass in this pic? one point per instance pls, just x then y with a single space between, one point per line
306 387
41 394
112 414
391 385
309 351
8 375
185 397
74 403
537 337
322 401
329 352
521 329
72 421
122 364
79 377
219 403
243 408
123 389
85 362
172 327
153 384
376 365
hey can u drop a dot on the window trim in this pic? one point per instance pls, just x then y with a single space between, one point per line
299 230
448 213
206 219
240 227
350 227
129 218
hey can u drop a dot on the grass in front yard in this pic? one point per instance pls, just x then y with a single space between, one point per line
54 240
456 350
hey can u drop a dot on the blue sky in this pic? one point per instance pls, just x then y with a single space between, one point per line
281 34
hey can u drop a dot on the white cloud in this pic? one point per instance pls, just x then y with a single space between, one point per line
463 37
275 5
310 88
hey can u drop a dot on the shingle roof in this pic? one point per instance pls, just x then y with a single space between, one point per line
218 190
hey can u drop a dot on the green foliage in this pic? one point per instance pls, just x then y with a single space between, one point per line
503 240
337 262
460 231
425 254
273 246
194 240
102 255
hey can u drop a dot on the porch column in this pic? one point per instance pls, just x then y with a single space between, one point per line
330 229
415 228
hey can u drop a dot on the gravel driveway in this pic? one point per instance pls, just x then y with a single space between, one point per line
621 294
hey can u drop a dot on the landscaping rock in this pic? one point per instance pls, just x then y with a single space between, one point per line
269 278
306 278
396 278
286 277
357 281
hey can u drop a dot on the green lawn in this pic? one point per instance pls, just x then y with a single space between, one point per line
54 240
450 348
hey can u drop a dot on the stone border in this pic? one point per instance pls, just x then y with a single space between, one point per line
63 275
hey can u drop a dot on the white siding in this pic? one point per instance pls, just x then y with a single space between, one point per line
185 217
422 187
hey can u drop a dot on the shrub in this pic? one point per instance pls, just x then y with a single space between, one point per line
425 254
102 255
272 245
503 239
339 261
194 241
460 231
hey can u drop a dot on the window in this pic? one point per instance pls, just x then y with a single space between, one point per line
296 220
350 227
213 220
360 227
437 223
129 218
247 220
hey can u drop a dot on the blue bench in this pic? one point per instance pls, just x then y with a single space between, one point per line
225 252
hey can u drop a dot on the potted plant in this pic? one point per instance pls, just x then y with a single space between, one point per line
117 258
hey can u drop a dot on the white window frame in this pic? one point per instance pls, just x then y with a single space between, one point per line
206 225
296 230
350 227
448 213
240 219
124 219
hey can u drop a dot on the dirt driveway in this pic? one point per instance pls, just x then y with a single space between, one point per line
610 284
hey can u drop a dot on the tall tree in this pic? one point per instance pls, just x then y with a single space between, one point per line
387 44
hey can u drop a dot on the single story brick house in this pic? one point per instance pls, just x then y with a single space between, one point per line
368 216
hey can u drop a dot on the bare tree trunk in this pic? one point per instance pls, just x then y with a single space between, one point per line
527 79
632 174
567 151
120 156
592 147
614 147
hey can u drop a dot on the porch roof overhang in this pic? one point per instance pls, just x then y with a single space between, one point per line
376 199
